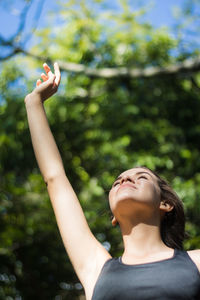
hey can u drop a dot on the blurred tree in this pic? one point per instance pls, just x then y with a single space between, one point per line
102 127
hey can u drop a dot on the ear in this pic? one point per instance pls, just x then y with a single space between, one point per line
165 206
114 221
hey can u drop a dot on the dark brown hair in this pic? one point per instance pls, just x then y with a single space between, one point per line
173 223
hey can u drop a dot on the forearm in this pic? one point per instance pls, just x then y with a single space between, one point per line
44 145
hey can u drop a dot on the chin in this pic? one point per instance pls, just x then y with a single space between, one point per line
126 194
125 203
122 204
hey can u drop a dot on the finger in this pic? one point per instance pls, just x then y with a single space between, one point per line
57 73
50 82
44 77
38 82
47 69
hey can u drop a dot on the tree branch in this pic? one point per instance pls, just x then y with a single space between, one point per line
190 65
16 42
16 36
36 18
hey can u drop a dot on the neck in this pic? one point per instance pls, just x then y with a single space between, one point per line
142 238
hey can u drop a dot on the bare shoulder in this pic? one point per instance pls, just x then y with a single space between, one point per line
195 256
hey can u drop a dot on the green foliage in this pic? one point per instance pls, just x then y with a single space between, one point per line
102 127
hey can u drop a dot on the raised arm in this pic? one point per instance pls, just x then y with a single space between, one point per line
85 252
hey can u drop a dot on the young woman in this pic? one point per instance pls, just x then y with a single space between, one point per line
149 213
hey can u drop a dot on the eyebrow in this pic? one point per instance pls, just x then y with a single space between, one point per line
138 173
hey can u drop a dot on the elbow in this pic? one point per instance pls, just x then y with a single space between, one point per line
51 178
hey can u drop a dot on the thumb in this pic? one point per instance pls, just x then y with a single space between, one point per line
50 81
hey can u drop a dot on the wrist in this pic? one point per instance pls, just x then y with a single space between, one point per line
33 99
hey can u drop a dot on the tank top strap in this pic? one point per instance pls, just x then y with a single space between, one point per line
184 255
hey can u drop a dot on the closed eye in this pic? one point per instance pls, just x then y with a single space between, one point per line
115 183
144 177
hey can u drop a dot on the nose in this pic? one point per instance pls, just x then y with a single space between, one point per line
127 178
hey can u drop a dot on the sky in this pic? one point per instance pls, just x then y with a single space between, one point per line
160 14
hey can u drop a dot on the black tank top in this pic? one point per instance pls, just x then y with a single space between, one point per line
175 278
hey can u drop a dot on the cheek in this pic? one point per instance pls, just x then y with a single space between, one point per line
151 191
110 195
110 198
156 194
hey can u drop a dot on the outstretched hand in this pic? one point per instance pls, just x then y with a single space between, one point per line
50 83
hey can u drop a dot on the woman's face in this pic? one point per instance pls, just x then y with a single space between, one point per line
137 187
